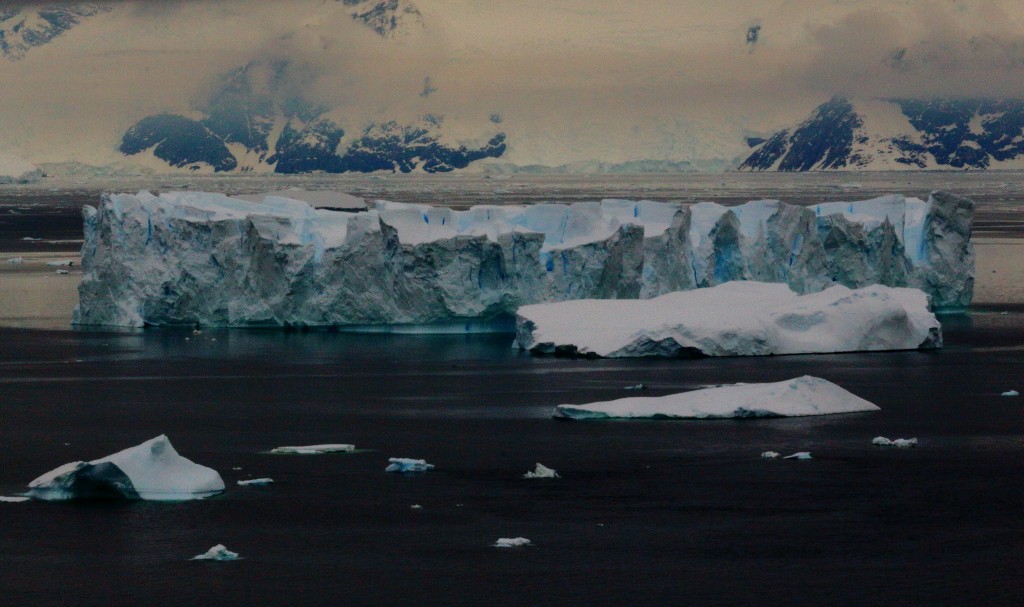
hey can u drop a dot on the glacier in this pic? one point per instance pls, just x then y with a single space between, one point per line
798 397
740 318
152 470
196 258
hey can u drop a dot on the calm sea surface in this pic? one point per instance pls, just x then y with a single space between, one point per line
646 513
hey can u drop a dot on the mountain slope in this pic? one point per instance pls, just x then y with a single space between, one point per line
27 27
898 134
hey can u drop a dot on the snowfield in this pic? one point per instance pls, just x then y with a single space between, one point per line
190 258
734 319
797 397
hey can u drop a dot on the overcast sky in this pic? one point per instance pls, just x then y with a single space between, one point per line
684 77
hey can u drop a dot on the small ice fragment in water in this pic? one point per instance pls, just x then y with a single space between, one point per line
16 260
1010 393
30 239
256 481
313 449
541 471
512 542
404 464
770 455
636 387
799 455
416 507
13 500
61 272
63 262
902 443
217 553
237 468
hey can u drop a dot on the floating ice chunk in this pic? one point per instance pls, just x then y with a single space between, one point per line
799 455
903 443
62 272
217 553
13 500
152 470
770 455
416 507
740 318
541 471
881 441
313 449
404 464
1011 393
16 260
512 542
797 397
636 387
30 239
256 481
61 263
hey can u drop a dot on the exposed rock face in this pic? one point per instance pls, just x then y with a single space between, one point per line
197 258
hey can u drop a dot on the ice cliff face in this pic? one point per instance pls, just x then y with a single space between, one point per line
198 258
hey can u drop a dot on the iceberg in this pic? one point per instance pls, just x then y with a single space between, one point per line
13 500
217 553
1010 393
734 319
799 455
770 455
541 471
313 449
150 471
801 396
404 464
187 258
512 542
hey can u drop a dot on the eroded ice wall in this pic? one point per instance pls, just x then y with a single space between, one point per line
199 258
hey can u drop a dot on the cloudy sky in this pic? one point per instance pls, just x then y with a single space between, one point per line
571 79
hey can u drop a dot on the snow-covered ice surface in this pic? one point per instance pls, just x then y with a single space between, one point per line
512 542
195 257
405 464
217 553
313 449
541 471
256 481
152 470
801 396
742 318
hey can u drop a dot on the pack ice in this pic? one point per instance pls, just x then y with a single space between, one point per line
150 471
797 397
201 258
734 319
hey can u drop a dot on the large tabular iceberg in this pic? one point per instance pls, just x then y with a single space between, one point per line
742 318
797 397
150 471
199 258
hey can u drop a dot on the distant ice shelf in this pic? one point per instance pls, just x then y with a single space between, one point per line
798 397
734 319
188 258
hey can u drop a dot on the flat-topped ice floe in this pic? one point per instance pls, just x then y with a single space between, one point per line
186 258
150 471
313 449
799 397
734 319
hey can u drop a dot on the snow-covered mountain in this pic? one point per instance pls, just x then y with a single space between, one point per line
898 134
389 18
23 28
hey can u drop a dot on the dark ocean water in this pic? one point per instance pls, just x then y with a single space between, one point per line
646 513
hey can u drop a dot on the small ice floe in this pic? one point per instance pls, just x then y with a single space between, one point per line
512 542
416 507
799 455
541 471
256 481
636 387
1010 393
902 443
62 263
16 260
404 464
61 272
313 449
217 553
13 500
770 455
30 239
